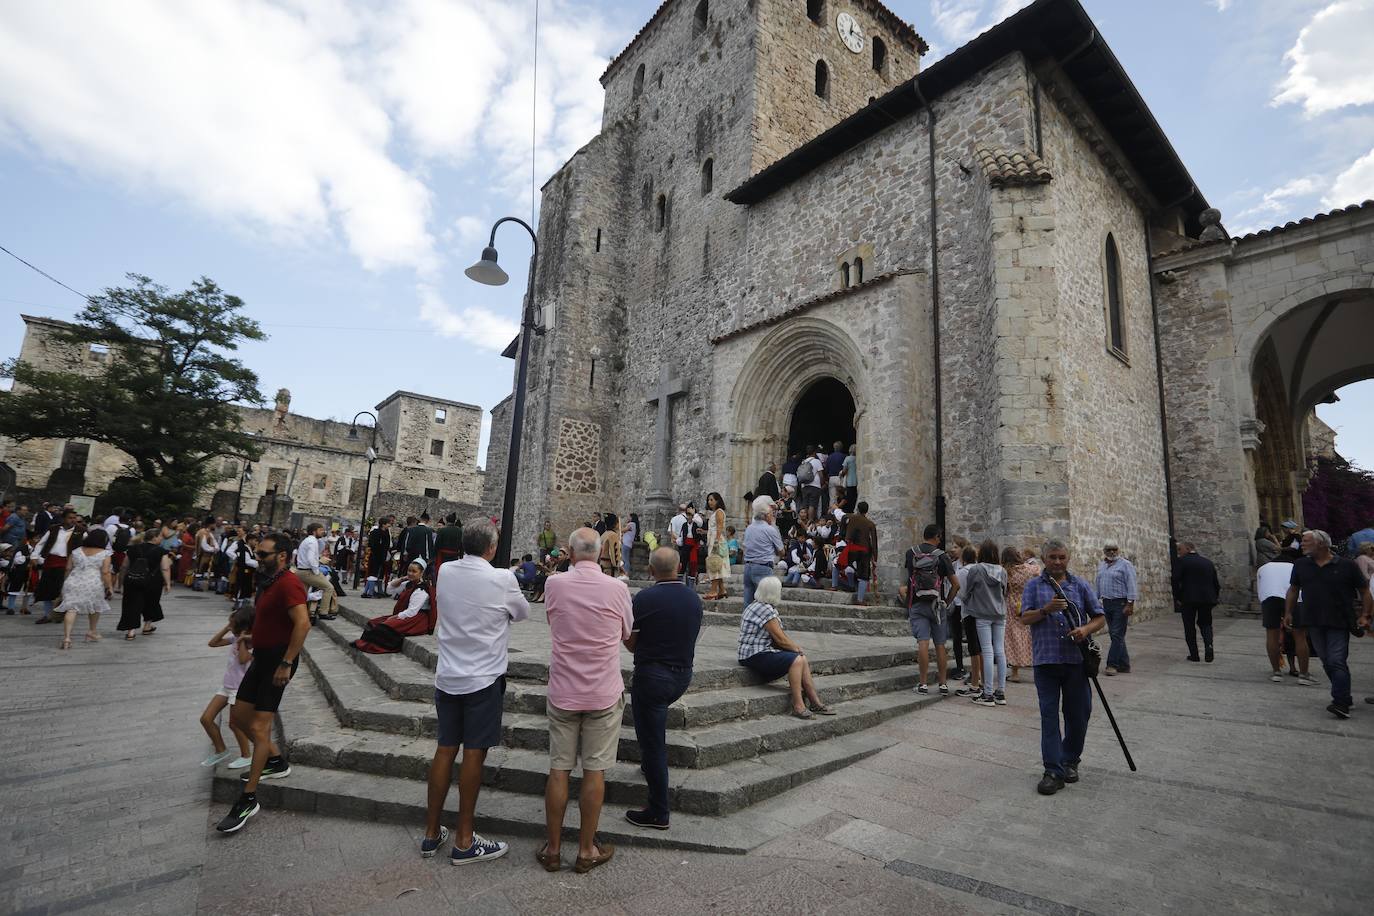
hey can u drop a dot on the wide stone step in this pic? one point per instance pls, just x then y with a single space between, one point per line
801 607
357 698
735 588
806 623
500 814
422 651
714 791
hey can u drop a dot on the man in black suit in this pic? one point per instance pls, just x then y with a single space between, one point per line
42 520
768 482
1196 590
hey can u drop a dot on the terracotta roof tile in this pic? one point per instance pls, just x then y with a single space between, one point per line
1010 168
1308 220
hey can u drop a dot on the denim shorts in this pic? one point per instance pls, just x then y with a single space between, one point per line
923 628
771 665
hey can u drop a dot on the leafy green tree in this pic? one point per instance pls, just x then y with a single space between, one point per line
165 397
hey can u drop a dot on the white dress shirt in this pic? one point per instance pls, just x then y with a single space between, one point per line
308 554
477 604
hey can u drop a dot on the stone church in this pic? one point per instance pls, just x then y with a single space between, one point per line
994 274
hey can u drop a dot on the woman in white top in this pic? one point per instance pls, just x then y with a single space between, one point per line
627 541
87 586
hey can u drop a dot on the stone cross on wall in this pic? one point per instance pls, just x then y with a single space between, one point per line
669 387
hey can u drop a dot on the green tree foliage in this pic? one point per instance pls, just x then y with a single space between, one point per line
165 397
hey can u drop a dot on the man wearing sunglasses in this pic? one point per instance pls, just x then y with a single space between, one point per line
280 625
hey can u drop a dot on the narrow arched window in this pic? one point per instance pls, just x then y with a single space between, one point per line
661 213
700 18
1116 318
822 80
858 271
844 275
879 54
814 10
639 83
707 178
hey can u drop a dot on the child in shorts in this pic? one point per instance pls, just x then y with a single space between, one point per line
240 646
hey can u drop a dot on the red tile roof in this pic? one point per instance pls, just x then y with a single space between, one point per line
1008 168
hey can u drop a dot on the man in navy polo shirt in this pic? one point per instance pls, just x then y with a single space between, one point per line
1330 587
1061 610
667 621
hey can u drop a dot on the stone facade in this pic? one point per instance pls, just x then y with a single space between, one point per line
316 464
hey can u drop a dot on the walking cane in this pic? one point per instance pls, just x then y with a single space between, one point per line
1112 719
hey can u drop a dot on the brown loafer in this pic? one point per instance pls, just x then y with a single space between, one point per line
547 859
587 863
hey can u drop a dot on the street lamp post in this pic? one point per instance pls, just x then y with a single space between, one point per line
488 272
238 500
371 455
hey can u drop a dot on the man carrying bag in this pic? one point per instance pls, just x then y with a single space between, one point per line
1062 612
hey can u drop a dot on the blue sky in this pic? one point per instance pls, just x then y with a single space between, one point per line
337 163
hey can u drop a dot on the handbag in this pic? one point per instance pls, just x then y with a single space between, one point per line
1092 653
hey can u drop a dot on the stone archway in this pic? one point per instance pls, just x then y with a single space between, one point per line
781 367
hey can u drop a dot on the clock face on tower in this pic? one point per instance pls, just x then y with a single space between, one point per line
851 33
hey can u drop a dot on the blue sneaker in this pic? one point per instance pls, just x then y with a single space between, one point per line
429 847
481 850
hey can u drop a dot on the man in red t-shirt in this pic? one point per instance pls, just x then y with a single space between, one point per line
280 625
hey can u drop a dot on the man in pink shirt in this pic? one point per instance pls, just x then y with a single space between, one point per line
590 616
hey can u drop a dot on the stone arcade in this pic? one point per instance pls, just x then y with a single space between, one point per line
773 208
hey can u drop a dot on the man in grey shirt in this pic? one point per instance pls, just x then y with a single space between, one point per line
762 546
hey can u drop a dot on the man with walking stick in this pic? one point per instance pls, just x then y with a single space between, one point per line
1062 611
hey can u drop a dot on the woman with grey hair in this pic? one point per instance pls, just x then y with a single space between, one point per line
764 647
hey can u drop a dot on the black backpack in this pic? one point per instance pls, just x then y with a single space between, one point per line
123 534
139 572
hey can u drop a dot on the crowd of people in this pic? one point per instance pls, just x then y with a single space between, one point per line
1002 608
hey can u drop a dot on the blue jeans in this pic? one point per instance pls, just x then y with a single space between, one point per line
994 653
754 573
655 687
793 577
1066 685
1117 656
835 574
1332 645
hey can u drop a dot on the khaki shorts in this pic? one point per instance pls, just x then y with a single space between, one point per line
598 731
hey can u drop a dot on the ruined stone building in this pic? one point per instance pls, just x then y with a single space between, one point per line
790 232
315 469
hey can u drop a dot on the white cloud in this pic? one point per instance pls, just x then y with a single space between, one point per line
303 118
1222 5
958 21
1354 185
1324 65
1281 201
473 323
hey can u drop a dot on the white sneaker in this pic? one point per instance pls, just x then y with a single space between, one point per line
1276 677
239 763
1306 680
215 760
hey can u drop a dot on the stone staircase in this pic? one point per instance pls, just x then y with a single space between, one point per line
360 728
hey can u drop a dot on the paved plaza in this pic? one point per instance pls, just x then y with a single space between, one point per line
1249 798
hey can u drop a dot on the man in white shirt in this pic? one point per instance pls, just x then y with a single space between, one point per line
477 604
1271 585
308 571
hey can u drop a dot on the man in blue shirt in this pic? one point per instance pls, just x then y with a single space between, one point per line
1061 610
762 546
1116 586
667 622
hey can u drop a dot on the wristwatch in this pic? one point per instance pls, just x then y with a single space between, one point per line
285 663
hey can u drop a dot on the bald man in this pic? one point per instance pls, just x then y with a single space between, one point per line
667 621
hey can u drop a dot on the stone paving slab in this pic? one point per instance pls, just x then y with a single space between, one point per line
809 624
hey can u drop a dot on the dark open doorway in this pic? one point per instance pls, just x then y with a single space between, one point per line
823 416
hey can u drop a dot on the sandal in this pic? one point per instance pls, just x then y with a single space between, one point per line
147 630
586 864
66 644
129 635
823 710
802 714
547 859
93 637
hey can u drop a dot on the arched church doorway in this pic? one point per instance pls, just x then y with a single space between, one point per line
1304 357
823 415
